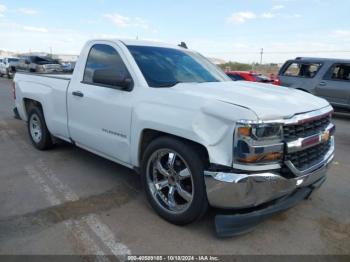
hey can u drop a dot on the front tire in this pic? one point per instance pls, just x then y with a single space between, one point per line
173 179
37 129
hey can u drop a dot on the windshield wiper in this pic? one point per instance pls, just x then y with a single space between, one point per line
169 84
177 82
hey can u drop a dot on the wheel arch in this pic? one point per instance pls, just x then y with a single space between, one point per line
29 103
148 135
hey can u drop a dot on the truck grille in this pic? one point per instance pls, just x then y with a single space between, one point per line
302 160
292 132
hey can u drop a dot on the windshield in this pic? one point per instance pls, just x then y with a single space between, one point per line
163 67
42 60
13 59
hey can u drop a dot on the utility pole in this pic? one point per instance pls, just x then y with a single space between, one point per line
261 55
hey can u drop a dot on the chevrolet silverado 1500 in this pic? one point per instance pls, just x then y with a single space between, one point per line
197 138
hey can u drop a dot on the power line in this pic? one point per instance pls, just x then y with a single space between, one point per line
283 52
310 52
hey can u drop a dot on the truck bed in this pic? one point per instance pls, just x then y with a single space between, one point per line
51 91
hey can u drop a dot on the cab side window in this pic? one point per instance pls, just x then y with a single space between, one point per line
340 72
104 66
299 69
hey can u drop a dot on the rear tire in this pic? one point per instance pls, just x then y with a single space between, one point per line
173 180
37 129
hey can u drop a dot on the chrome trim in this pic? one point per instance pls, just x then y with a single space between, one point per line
310 116
262 167
266 148
298 145
293 120
166 179
263 149
233 190
328 157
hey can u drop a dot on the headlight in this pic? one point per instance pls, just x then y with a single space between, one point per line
258 144
261 131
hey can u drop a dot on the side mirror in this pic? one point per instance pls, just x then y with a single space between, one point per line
112 78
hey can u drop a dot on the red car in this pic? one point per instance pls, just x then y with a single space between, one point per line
252 77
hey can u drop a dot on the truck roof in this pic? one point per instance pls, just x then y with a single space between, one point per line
140 43
320 59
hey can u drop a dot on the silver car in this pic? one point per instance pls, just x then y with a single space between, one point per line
38 64
324 77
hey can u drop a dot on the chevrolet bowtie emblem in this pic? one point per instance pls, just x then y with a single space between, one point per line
325 136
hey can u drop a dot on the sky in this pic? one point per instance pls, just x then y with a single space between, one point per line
233 30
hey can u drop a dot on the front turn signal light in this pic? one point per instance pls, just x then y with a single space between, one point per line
275 156
244 131
261 158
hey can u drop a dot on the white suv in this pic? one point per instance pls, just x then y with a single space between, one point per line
8 66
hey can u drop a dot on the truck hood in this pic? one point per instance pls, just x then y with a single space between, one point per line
268 102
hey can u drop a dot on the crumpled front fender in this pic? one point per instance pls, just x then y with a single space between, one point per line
215 124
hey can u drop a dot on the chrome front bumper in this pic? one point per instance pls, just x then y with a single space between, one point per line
239 191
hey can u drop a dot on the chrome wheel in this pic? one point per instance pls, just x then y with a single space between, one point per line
35 128
170 181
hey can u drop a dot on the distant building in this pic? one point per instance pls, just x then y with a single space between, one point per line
34 54
4 53
217 61
65 58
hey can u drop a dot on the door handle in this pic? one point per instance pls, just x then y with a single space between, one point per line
323 83
77 93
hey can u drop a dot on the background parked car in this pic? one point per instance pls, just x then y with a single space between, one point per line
67 67
8 66
250 76
324 77
38 64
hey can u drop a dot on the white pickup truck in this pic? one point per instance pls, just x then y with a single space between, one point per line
197 138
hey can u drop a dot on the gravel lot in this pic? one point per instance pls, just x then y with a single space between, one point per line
69 201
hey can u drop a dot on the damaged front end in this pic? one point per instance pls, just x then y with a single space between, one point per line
275 165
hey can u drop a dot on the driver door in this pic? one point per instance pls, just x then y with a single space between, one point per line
100 114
